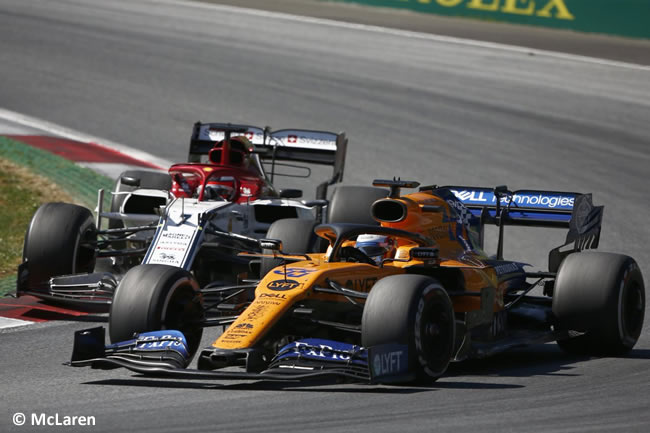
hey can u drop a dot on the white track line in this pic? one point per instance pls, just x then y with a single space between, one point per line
401 33
6 322
70 134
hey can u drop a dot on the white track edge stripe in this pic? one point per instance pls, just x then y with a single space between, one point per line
71 134
8 322
404 33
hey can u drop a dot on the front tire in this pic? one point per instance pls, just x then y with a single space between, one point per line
602 295
416 311
60 240
154 297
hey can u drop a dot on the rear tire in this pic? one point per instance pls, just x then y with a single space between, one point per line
297 236
603 295
60 240
416 311
351 204
155 297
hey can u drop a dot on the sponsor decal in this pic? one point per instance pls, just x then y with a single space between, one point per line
553 9
473 196
533 200
306 140
243 326
320 351
273 295
362 284
234 334
268 302
158 340
283 284
388 363
294 272
253 311
176 236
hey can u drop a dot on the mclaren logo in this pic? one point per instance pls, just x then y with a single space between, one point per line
283 284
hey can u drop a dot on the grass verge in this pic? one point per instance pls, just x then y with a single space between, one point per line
30 177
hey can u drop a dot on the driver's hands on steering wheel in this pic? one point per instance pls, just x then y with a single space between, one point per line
219 191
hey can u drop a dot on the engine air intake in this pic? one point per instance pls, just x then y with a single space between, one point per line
387 210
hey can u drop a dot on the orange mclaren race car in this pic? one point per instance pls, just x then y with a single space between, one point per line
391 303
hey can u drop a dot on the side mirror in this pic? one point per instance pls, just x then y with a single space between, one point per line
502 191
316 203
270 244
130 181
290 193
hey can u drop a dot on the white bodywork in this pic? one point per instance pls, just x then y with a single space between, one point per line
183 224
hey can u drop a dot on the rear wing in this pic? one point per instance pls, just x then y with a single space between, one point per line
298 145
536 208
523 207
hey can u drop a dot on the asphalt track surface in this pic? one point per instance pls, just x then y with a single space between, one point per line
139 73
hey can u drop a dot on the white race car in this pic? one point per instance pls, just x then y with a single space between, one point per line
197 216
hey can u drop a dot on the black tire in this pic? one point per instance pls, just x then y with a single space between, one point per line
60 240
351 204
297 236
155 297
603 295
413 310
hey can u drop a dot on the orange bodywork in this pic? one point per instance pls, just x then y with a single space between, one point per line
427 214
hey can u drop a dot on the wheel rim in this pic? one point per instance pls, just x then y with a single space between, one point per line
85 253
433 332
633 310
183 313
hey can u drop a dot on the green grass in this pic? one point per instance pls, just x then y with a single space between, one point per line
28 178
18 202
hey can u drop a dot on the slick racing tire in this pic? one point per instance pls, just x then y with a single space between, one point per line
60 240
297 236
415 311
351 204
154 297
148 180
603 296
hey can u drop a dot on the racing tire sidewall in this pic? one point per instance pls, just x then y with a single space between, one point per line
601 295
154 297
54 243
402 309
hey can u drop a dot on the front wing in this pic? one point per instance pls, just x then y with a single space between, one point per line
165 354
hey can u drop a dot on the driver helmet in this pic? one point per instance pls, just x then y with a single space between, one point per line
220 188
233 152
377 247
